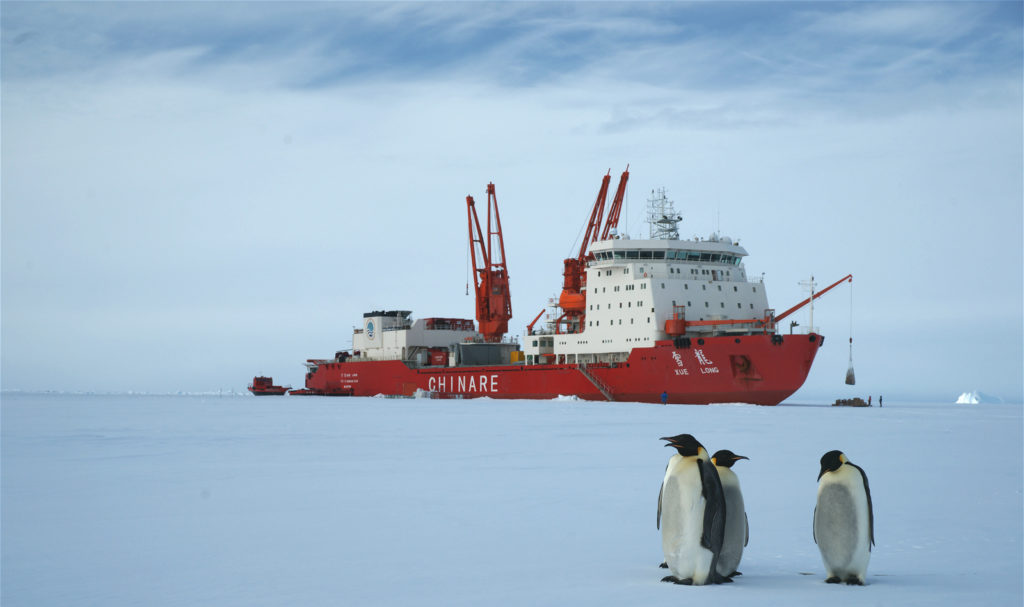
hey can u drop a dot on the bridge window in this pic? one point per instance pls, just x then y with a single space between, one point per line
632 254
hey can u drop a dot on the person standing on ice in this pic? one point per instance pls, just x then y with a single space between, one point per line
664 398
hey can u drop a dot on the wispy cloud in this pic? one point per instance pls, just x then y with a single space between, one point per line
150 148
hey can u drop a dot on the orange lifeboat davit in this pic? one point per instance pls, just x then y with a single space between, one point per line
572 301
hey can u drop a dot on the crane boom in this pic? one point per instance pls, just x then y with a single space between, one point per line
616 208
848 277
595 217
490 274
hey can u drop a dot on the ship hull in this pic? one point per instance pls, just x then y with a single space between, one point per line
269 392
756 369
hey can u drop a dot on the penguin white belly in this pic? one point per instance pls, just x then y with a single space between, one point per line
841 525
682 523
735 524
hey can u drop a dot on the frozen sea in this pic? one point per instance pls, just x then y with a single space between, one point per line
236 500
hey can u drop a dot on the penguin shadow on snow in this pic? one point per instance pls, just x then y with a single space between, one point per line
704 526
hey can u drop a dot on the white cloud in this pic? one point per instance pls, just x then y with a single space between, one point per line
158 185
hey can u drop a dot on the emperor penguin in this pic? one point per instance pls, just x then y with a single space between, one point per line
737 533
691 514
844 522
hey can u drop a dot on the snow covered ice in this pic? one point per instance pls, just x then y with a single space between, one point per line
201 500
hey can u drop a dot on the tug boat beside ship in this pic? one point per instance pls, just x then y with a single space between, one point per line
264 386
659 319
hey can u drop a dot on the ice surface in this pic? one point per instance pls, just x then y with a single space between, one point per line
179 500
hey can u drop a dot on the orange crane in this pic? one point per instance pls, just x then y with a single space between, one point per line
616 208
490 274
573 299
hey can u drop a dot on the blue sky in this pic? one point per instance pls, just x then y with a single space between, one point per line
194 193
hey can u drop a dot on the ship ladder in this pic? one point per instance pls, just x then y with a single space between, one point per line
605 390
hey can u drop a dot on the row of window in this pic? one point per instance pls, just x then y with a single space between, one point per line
643 285
725 258
735 289
629 304
597 323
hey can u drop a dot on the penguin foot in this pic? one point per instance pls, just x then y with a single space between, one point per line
833 580
663 565
734 574
721 579
671 578
853 581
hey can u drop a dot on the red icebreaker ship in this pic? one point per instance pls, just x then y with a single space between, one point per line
636 320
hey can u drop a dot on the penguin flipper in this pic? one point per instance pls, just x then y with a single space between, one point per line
713 534
814 533
871 513
660 493
746 529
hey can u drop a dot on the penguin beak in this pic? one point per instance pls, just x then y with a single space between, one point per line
739 457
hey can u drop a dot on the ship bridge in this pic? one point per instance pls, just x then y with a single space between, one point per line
633 286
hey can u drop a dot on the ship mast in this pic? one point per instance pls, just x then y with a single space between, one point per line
490 274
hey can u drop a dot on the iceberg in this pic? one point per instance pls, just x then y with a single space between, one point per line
975 397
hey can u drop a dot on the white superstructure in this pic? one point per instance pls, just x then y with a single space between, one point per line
633 286
392 335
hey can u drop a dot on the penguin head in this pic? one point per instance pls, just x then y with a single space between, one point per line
831 461
686 445
726 458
